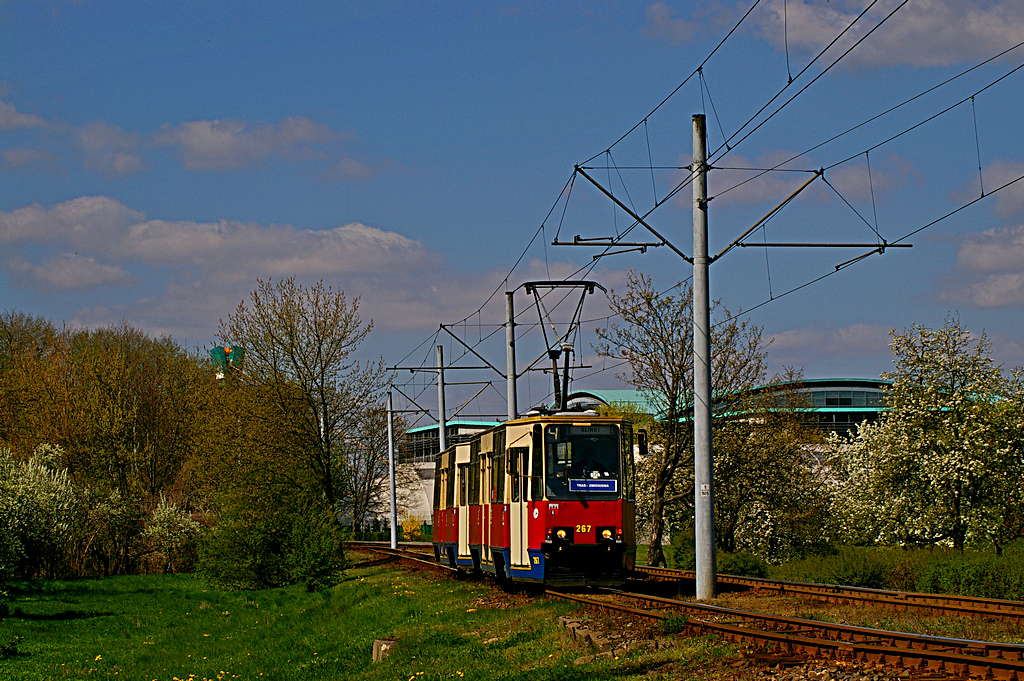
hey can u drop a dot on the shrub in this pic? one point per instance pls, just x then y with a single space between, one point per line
742 563
9 648
173 533
985 576
412 529
673 624
244 553
254 550
116 523
848 566
41 515
681 553
314 552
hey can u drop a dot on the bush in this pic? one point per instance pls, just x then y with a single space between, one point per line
116 523
985 576
314 552
848 566
412 529
742 563
9 648
173 533
681 553
41 515
252 551
245 554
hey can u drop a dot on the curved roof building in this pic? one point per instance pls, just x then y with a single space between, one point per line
838 404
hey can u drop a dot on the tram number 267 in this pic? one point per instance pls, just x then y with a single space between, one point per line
584 528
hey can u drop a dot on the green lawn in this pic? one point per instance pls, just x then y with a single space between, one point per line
179 627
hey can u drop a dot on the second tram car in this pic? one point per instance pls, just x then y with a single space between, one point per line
544 498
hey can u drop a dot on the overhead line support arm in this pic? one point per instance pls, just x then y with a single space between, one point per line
478 355
633 215
769 214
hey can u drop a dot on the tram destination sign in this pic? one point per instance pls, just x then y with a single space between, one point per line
609 485
591 430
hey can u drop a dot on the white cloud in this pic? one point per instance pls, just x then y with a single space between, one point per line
989 271
663 24
181 277
10 119
739 179
922 33
888 175
25 158
348 168
109 149
1009 201
857 340
67 271
222 144
83 224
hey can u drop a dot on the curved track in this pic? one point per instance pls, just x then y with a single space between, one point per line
806 638
922 654
961 606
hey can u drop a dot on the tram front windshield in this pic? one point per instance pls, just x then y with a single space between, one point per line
582 462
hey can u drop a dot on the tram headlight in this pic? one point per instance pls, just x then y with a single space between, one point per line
561 534
606 534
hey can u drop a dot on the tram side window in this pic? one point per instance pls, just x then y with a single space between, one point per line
438 476
513 472
474 480
497 478
537 473
517 457
628 481
449 487
463 475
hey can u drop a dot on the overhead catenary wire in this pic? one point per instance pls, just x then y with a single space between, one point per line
617 168
670 95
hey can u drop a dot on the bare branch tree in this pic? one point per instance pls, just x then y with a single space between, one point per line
656 338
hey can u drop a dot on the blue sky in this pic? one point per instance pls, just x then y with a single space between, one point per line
157 158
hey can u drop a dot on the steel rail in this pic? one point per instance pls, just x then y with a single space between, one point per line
408 553
978 659
940 603
838 632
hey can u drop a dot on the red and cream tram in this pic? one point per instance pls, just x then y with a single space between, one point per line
544 498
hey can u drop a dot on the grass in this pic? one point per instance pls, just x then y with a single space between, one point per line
179 627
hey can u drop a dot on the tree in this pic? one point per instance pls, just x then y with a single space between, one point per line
770 497
655 337
367 492
942 467
298 345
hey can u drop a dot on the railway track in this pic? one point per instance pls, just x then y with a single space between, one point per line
414 553
774 637
960 606
811 639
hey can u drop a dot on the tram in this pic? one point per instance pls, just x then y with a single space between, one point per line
547 498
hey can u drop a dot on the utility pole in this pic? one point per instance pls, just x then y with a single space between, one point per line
703 459
442 426
391 473
510 357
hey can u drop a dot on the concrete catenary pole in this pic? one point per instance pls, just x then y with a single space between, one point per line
442 425
391 473
510 357
703 466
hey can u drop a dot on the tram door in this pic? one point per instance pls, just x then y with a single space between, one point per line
463 510
519 509
462 488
